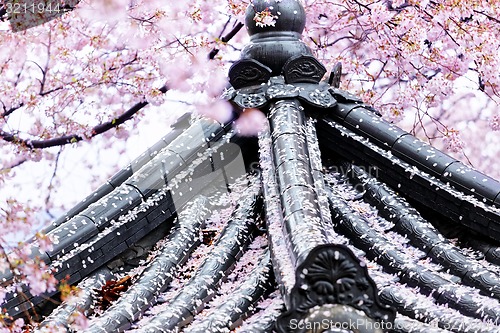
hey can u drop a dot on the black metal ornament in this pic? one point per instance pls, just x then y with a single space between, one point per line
331 274
303 68
248 72
257 96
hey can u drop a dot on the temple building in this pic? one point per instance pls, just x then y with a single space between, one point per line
331 220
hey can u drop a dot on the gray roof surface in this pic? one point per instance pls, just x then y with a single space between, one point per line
242 275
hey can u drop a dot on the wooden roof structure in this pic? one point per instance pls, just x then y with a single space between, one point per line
331 220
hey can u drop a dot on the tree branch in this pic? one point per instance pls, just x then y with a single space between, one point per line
72 138
226 39
101 128
10 111
12 166
488 16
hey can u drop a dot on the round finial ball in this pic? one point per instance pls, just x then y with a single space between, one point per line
275 15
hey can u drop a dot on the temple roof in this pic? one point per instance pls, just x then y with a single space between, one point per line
331 214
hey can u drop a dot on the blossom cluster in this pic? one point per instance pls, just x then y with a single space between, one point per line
430 66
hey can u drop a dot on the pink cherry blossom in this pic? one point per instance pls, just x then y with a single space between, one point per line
265 18
453 141
495 123
250 122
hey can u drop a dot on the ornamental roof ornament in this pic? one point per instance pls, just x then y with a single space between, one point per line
278 74
275 47
275 28
286 17
277 64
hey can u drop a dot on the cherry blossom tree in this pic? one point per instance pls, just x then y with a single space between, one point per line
431 66
92 78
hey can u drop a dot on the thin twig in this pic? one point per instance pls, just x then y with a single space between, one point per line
226 39
18 163
54 173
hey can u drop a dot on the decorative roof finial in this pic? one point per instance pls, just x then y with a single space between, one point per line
286 16
275 27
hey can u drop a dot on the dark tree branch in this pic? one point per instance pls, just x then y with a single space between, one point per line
101 128
18 163
72 138
224 27
226 39
184 46
379 73
362 6
10 111
488 16
341 38
44 93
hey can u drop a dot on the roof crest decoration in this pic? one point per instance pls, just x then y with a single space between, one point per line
277 64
